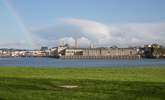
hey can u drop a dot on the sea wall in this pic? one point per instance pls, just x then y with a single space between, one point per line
101 57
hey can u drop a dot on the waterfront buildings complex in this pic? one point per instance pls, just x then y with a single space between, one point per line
67 52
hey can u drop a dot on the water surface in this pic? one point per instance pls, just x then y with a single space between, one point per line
52 62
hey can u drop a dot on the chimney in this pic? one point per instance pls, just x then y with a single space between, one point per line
62 43
92 45
76 44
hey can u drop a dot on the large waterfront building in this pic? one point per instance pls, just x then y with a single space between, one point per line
100 52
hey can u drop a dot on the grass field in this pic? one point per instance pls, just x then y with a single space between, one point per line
18 83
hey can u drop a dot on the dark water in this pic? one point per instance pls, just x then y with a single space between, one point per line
52 62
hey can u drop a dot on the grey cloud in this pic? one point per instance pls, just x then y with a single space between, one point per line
105 35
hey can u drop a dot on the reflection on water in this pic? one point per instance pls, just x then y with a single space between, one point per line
52 62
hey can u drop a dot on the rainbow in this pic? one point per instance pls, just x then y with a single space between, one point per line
20 22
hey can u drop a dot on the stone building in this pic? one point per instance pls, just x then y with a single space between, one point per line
74 52
100 52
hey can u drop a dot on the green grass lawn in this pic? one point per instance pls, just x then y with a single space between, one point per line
18 83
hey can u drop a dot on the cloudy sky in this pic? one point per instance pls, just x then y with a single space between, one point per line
35 23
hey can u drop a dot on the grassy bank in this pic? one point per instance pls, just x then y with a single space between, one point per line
90 83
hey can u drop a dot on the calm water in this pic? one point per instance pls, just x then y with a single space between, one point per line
51 62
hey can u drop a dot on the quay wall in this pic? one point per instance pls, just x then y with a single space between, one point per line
102 57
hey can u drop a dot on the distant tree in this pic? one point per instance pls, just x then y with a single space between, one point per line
67 45
114 47
159 52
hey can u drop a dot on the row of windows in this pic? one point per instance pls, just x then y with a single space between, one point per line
73 51
91 51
